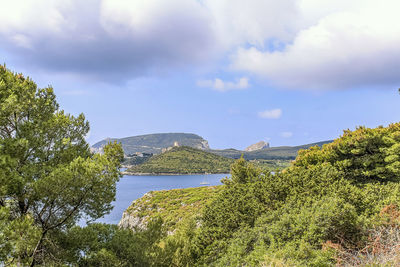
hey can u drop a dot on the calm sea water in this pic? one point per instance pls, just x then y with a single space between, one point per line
130 188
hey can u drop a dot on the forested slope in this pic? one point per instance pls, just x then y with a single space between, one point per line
184 160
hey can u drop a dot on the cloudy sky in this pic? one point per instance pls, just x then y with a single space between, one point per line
235 72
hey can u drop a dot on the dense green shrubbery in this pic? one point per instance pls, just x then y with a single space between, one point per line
314 213
107 245
364 155
333 195
323 207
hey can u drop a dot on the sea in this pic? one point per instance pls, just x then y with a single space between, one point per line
130 188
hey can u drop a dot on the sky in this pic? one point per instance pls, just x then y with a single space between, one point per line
288 72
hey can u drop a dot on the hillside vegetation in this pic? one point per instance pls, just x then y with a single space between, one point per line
184 160
175 206
154 143
334 206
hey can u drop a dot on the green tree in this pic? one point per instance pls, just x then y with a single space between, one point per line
48 175
240 202
329 195
362 155
108 245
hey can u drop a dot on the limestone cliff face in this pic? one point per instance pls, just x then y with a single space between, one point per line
133 222
202 145
132 218
257 146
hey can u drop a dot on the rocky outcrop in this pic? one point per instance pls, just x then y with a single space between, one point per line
133 222
176 144
203 145
132 218
257 146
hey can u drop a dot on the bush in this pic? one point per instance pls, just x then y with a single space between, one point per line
331 195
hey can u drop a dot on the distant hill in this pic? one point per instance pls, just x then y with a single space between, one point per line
184 160
271 153
154 143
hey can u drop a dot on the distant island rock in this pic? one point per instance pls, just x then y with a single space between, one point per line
257 146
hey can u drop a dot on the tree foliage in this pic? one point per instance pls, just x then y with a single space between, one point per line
49 179
362 155
329 195
107 245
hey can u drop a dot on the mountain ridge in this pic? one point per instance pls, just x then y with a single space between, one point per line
154 143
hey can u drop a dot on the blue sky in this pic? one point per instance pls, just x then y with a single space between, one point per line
235 72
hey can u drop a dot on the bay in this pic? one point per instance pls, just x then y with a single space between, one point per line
132 187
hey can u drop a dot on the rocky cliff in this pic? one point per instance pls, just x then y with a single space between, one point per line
133 217
257 146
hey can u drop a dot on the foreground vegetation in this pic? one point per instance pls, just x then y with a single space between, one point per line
184 160
335 205
49 179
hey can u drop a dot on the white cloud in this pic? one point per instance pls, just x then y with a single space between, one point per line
107 39
286 134
270 114
350 47
238 22
223 86
18 16
293 43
